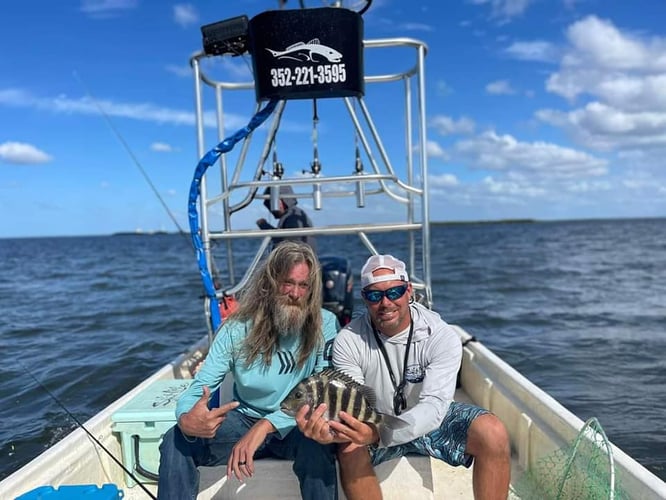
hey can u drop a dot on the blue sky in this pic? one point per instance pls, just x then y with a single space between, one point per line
545 109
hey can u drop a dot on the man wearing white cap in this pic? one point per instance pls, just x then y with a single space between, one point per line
410 357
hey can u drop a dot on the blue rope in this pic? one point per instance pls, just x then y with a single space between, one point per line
195 190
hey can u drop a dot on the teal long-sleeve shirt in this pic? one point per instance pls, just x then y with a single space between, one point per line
259 389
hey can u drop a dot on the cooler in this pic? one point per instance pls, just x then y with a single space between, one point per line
142 423
74 492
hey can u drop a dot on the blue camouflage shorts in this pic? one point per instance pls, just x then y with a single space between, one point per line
445 443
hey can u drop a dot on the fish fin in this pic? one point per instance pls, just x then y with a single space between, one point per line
335 374
314 41
295 45
369 394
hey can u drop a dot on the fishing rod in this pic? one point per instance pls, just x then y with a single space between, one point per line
83 427
129 151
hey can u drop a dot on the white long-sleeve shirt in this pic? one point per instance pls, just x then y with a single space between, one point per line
432 368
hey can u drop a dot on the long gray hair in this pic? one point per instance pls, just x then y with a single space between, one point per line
256 303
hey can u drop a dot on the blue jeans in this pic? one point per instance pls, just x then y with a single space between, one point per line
314 464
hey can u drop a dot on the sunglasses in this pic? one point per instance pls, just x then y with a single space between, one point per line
393 293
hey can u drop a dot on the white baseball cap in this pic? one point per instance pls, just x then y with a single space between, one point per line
383 262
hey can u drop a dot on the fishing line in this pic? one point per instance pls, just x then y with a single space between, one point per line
133 156
129 151
90 435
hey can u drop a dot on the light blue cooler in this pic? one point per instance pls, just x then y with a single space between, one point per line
74 492
142 423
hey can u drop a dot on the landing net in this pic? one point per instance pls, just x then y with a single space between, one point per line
582 470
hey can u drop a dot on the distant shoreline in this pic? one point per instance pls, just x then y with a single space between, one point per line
493 221
432 223
141 233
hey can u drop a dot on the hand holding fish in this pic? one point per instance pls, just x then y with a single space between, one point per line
316 426
352 429
201 421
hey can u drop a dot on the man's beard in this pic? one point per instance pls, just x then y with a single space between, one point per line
288 316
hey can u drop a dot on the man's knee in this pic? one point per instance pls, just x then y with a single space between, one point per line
313 456
488 436
167 444
353 457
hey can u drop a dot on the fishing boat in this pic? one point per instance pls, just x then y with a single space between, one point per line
554 453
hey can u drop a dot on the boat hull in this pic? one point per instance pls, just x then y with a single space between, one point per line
537 424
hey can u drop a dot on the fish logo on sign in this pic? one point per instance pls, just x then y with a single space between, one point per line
301 51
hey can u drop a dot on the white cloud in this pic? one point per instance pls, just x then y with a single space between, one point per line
515 189
443 181
183 71
601 43
20 153
106 8
599 54
504 153
237 68
588 187
500 87
536 50
416 27
623 78
147 112
604 127
185 14
161 147
505 10
434 150
227 69
445 125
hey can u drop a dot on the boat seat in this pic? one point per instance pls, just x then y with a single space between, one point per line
407 477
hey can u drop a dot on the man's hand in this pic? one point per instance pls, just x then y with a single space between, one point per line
261 222
317 427
201 421
241 460
351 429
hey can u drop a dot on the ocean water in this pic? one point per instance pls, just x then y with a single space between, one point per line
579 307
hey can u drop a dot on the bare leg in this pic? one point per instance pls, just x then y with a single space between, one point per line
357 475
488 442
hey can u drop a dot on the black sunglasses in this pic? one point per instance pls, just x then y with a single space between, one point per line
393 293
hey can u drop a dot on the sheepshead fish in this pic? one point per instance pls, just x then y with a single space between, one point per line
340 393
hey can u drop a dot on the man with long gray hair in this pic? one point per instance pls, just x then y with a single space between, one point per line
278 336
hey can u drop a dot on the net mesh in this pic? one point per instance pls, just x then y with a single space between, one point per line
582 470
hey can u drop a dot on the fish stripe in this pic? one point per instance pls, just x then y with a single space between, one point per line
345 400
357 405
334 401
319 395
